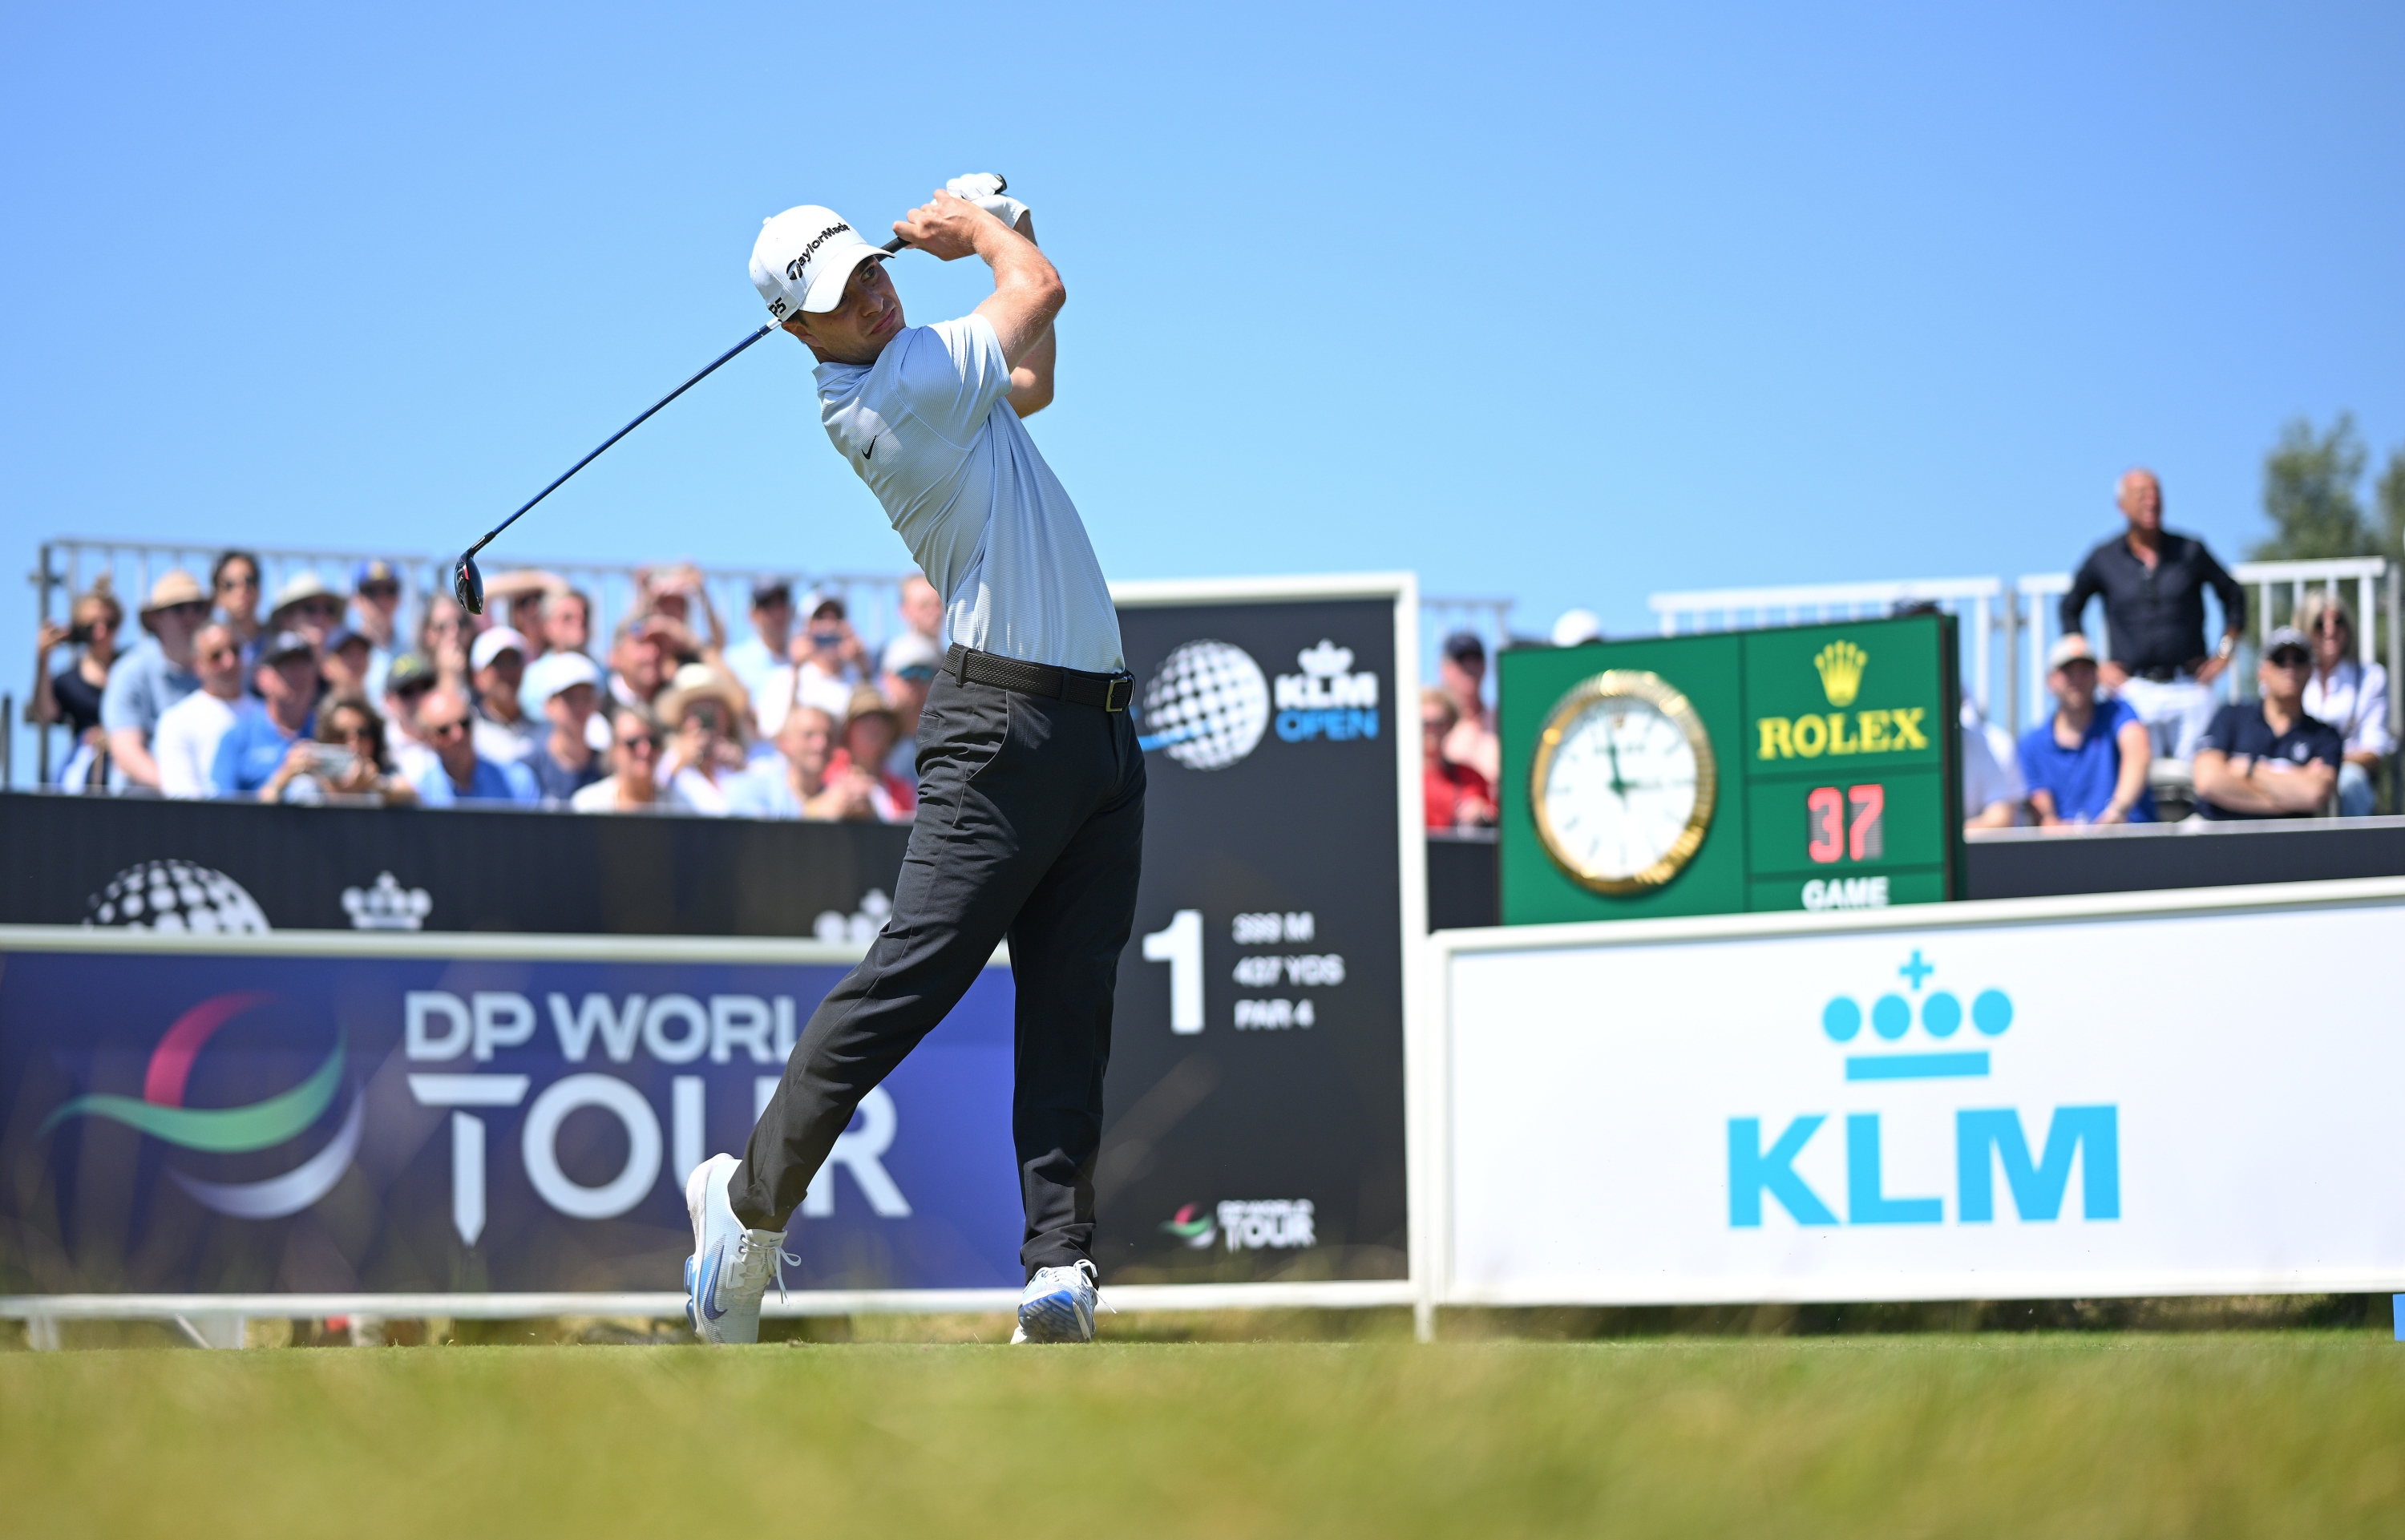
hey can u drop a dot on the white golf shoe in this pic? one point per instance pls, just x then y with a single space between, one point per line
1058 1305
728 1273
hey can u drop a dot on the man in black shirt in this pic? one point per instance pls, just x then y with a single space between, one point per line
2153 584
2268 760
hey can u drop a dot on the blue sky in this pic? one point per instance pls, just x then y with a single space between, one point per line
1564 304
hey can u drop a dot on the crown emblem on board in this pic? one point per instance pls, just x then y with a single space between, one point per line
1327 660
1942 1015
1841 665
387 905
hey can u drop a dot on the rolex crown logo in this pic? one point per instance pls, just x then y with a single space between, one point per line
1841 664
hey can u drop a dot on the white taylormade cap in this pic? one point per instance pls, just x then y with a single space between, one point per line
803 258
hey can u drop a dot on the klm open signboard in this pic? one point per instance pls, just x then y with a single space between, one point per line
1810 767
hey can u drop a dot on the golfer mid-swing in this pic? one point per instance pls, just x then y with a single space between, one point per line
1031 786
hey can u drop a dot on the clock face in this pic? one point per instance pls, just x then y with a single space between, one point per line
1623 783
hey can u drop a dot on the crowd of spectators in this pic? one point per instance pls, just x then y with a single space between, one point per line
2310 744
321 699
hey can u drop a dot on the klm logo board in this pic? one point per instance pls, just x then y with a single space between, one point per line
1914 1031
1809 767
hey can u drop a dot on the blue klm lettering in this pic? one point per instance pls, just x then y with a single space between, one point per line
2037 1189
1981 1139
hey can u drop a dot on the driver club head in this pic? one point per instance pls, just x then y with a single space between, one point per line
468 586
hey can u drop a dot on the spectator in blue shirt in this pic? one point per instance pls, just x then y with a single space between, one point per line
2267 758
265 727
457 773
2087 764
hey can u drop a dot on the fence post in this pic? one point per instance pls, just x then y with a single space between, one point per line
2396 580
44 581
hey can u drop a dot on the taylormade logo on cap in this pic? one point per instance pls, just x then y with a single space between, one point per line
803 258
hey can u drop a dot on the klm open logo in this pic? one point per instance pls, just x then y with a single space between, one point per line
1985 1138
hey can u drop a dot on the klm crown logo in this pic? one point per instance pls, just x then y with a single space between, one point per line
1841 665
1941 1016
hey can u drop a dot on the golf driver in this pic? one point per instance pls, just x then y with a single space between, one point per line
467 581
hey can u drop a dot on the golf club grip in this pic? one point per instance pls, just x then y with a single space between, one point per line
896 246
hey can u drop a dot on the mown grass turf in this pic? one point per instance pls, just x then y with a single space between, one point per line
2295 1435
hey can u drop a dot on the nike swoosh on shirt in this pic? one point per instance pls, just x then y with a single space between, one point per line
870 453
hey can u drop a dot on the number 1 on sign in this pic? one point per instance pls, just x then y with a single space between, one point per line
1180 946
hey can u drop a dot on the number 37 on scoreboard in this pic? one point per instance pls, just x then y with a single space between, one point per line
1845 825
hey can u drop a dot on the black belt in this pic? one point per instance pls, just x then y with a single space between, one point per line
1110 692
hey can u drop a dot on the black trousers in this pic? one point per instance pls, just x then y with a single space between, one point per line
1030 825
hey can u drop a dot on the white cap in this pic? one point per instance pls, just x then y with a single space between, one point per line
550 673
803 258
1576 628
491 644
909 648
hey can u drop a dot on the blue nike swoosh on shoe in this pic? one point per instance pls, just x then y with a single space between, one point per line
707 1295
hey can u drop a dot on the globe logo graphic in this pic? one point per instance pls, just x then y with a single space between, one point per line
1207 704
176 897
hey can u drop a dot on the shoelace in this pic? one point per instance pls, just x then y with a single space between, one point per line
756 1252
1094 1282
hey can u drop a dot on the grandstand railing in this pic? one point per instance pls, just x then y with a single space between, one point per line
67 565
2009 628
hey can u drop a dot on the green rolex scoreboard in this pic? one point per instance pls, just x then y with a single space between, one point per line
1807 767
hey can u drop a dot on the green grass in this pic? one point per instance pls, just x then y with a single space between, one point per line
2296 1434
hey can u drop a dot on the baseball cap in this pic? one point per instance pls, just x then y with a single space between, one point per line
344 636
492 643
771 590
284 645
910 650
552 672
2071 649
1463 645
819 600
376 571
407 670
2287 636
803 258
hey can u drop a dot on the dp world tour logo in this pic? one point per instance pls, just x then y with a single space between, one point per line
160 1112
1193 1225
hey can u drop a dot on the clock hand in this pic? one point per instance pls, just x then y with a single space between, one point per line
1611 747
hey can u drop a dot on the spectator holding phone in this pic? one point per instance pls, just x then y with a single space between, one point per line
673 594
347 760
859 769
264 731
150 678
829 661
2267 758
71 697
190 731
705 710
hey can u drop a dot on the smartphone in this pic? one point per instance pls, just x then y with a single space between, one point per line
332 762
79 635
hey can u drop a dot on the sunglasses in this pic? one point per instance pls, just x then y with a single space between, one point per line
229 585
415 688
2289 658
328 608
379 590
445 730
649 742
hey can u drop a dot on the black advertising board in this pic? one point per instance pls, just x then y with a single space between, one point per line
1256 1094
252 867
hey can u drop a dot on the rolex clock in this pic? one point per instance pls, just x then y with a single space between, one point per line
1623 782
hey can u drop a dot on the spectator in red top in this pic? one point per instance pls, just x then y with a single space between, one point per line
1456 795
1461 670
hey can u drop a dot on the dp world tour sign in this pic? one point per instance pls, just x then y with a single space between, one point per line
1813 766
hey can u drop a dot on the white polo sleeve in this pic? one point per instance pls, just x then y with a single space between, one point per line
954 373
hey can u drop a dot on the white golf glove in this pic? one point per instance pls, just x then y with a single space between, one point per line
984 188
